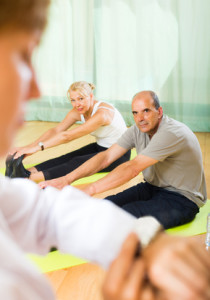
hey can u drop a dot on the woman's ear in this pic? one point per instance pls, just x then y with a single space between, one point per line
91 96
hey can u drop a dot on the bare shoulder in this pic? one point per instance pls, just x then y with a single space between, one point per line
105 111
105 104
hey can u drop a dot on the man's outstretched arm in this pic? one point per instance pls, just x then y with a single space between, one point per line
120 175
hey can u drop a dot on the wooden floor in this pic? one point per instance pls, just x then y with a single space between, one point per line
83 282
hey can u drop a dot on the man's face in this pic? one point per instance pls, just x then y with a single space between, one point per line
17 82
146 116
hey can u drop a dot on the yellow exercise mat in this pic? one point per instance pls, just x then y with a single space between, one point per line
55 260
197 226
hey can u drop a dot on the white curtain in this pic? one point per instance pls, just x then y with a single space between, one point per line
125 46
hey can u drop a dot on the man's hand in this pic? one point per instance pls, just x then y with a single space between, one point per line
178 266
58 183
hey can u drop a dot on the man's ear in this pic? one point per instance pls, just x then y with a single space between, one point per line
160 111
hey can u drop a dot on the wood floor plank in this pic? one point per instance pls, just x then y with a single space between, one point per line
57 278
81 282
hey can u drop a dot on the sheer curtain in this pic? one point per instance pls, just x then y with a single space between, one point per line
125 46
65 55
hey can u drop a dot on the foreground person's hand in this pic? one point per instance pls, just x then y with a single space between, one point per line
125 278
179 266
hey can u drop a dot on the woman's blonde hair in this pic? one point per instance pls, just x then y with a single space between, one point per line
23 14
83 87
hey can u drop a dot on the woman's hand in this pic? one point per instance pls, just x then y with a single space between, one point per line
58 183
26 151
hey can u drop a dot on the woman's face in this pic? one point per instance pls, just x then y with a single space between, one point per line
81 103
17 81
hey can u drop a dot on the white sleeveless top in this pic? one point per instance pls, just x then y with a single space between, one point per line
108 135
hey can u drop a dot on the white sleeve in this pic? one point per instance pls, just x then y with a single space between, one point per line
13 288
70 220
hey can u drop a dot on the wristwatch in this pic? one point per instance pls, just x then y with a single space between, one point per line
41 145
147 228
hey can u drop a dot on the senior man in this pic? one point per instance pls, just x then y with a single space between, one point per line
168 154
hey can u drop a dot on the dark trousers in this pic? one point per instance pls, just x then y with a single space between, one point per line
65 164
169 208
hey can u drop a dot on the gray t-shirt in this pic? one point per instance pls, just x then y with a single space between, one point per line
179 167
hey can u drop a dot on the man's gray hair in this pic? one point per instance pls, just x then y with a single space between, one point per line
154 97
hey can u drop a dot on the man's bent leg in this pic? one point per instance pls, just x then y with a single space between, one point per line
140 192
169 208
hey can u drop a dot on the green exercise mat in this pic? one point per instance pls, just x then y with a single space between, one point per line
197 226
55 260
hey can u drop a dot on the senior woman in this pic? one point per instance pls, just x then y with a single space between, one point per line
99 119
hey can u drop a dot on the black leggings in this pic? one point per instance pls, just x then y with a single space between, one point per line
65 164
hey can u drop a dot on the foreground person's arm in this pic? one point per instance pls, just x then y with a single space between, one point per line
95 230
69 220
